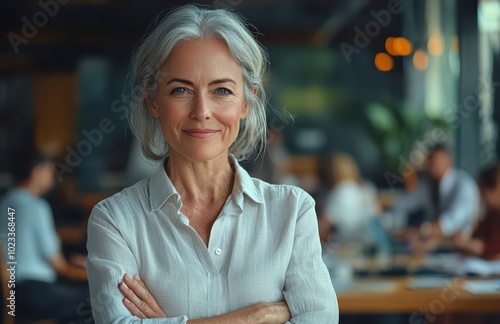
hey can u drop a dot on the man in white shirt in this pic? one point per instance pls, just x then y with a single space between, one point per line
444 203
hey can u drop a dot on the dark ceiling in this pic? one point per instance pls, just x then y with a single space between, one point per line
113 27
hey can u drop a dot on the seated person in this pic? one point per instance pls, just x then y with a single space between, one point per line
39 294
485 241
351 203
444 202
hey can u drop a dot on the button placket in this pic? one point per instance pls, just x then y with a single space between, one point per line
216 245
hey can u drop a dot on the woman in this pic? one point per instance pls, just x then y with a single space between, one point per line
209 243
351 204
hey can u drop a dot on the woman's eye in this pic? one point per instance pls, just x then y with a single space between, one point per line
179 90
223 91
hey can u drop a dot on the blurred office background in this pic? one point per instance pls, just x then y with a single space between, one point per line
371 78
381 80
367 77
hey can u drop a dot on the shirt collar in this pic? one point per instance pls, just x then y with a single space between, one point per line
161 188
243 183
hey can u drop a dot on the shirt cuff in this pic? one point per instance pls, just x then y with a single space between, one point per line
448 226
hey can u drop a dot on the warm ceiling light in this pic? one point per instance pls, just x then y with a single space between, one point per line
402 46
384 62
389 46
420 60
435 45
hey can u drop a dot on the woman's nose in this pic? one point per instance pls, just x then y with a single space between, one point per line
201 108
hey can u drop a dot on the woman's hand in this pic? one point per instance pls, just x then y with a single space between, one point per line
138 300
269 313
265 313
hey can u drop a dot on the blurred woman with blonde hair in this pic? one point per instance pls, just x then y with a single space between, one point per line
351 203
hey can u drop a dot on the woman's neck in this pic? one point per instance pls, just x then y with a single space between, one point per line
29 187
201 182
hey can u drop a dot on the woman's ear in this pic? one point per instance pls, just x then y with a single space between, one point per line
246 108
152 107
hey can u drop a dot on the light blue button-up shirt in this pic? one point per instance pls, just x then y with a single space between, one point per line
458 202
263 247
36 240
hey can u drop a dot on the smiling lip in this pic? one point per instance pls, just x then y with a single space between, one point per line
200 133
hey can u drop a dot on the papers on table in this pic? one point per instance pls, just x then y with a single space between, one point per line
428 282
373 286
490 286
456 264
480 267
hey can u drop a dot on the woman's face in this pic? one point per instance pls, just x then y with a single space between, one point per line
200 99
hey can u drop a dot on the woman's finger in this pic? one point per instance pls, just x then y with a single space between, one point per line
138 294
132 308
148 297
131 301
134 292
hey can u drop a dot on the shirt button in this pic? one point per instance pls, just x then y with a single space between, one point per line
218 251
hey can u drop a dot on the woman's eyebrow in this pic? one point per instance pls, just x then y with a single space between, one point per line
224 80
217 81
180 81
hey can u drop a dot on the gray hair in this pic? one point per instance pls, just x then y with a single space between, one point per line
193 22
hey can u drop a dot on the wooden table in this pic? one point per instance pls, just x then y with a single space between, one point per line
393 295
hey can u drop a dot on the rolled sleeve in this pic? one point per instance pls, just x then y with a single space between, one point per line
461 212
109 258
309 291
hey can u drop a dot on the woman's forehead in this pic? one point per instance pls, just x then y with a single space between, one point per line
206 56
